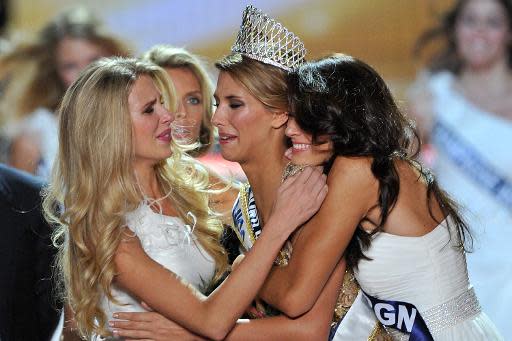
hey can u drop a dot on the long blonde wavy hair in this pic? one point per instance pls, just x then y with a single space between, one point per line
94 185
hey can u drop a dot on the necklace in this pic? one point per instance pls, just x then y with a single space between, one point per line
291 169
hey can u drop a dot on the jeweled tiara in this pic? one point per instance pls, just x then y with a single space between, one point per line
266 40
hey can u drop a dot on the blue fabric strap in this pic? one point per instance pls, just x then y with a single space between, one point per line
471 163
402 316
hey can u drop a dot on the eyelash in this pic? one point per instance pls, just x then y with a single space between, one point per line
149 110
191 99
231 105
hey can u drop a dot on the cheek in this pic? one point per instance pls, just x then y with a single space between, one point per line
197 115
143 130
462 35
246 121
500 37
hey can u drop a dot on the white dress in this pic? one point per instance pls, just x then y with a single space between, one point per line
170 242
491 137
430 274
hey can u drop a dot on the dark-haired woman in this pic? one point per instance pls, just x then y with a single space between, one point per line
464 109
400 232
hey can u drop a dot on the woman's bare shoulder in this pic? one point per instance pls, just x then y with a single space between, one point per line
351 168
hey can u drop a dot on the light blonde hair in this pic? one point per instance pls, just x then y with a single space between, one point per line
265 82
168 56
93 185
29 71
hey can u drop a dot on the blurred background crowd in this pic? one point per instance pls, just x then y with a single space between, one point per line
447 62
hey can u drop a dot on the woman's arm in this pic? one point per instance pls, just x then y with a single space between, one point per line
215 315
314 325
322 241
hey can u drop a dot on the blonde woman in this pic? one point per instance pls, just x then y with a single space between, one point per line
35 76
132 216
193 88
194 93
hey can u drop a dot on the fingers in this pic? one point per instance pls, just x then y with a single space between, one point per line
316 184
136 334
291 180
322 193
130 325
134 316
319 188
145 306
306 175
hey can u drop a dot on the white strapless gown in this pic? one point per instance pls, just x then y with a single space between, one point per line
490 268
430 274
168 241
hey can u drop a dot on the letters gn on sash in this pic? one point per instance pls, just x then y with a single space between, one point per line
401 316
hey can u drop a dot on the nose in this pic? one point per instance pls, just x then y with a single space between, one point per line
218 118
291 127
181 113
166 117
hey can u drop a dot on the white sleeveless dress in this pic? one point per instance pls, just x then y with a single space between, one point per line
170 242
430 274
490 268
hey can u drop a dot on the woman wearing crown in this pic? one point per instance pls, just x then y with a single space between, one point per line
251 115
137 225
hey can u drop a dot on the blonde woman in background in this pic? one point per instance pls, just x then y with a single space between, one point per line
132 213
35 76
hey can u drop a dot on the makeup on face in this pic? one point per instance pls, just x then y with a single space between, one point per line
190 100
303 151
482 32
150 121
243 122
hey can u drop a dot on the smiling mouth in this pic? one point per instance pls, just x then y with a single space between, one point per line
300 147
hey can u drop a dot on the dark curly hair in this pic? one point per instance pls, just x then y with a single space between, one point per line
447 58
345 99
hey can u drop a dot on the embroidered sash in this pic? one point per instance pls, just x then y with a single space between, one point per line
401 316
471 163
245 217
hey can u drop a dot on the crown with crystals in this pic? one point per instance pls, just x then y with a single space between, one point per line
266 40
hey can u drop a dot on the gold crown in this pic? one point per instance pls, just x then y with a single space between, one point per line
266 40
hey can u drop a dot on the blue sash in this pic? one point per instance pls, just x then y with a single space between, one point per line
245 217
402 316
471 163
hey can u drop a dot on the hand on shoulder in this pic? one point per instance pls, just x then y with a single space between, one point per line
299 197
